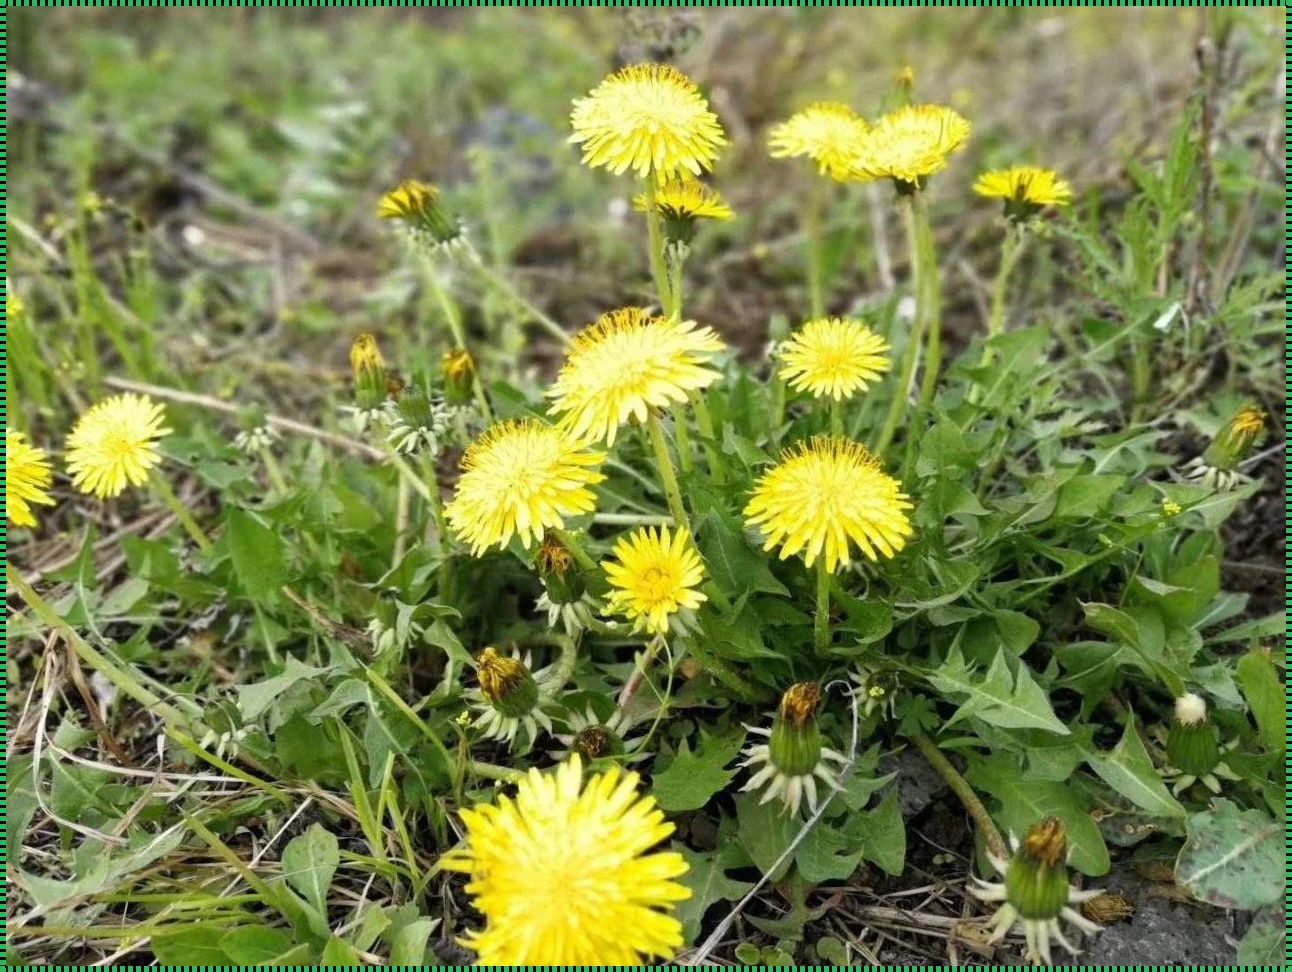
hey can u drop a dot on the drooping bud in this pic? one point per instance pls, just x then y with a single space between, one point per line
1234 441
795 743
369 371
1193 742
459 371
561 576
418 206
506 683
595 741
1036 882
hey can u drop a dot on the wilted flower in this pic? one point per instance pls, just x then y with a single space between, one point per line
656 579
521 478
1193 750
626 364
794 758
27 477
649 118
828 133
564 873
565 595
417 423
114 444
509 697
825 493
1035 892
594 738
1026 189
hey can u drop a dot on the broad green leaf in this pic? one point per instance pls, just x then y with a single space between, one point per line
763 831
692 778
408 945
736 565
256 945
257 552
339 952
1144 636
191 946
1264 693
706 876
309 861
1128 769
1002 699
1232 858
882 833
1024 803
1083 496
1266 940
827 855
255 698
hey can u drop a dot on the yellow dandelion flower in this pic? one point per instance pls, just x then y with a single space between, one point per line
626 364
113 445
521 478
13 305
365 356
684 199
828 133
1025 188
825 493
909 144
656 579
834 357
27 476
418 206
563 873
650 118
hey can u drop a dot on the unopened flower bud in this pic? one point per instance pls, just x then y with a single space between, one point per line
593 742
1036 883
1234 441
369 372
419 207
506 683
1193 742
796 740
459 371
561 576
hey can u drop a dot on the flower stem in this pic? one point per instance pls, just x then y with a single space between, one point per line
563 667
655 232
822 627
668 475
930 294
638 676
1011 248
961 788
436 504
403 497
167 495
505 287
836 416
124 679
911 355
816 254
453 316
708 432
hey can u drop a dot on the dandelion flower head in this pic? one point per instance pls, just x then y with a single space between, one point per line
909 144
684 199
650 118
1025 186
824 495
626 364
521 478
113 445
27 475
656 576
828 132
834 357
566 874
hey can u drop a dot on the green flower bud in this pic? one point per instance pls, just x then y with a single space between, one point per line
418 207
563 580
369 372
506 683
1234 442
459 371
795 744
1036 882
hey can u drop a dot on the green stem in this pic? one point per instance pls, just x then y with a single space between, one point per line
402 502
816 254
668 476
709 435
931 295
454 319
655 233
836 416
436 504
275 471
632 519
167 495
961 788
1011 248
911 355
822 626
509 291
673 266
563 668
121 677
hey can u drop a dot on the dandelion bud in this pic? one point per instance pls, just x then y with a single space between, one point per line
796 740
794 758
1036 883
562 579
369 372
507 684
593 742
416 421
459 371
1193 743
417 205
1234 442
681 202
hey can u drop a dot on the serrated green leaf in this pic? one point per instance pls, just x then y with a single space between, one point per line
1129 770
692 778
1086 495
1264 694
195 945
257 552
1232 858
882 833
1011 701
706 876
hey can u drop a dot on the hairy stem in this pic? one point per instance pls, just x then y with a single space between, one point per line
816 248
911 355
822 621
161 486
667 474
931 295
